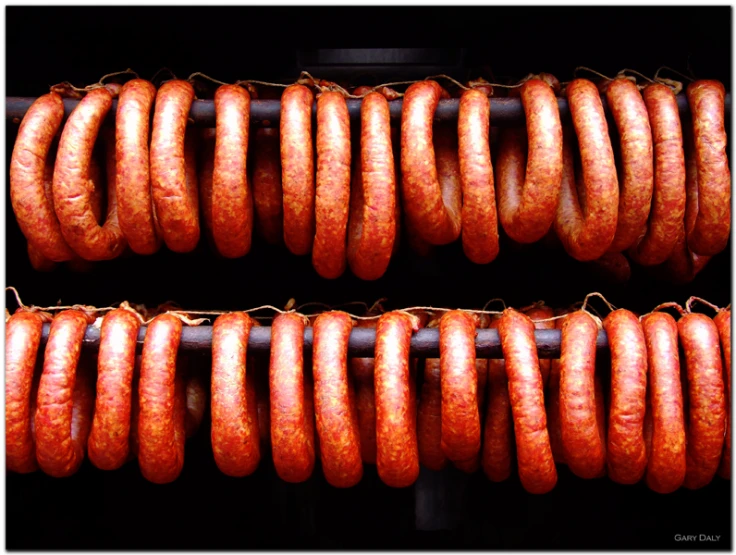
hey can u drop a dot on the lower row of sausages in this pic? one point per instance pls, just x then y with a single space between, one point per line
665 418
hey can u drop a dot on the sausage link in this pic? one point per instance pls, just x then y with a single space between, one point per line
537 313
297 168
425 200
108 443
479 221
292 430
174 192
552 404
332 200
723 323
666 465
712 226
232 203
459 383
626 452
527 201
133 181
64 402
29 163
161 433
397 454
586 223
581 442
372 227
196 402
536 467
497 449
362 370
706 423
22 338
636 178
266 179
234 435
668 205
334 405
72 186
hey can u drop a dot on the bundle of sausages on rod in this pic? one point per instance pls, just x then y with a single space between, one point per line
650 188
646 414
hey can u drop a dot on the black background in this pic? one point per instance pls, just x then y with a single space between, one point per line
205 509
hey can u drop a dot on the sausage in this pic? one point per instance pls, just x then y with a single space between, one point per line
537 313
161 432
373 225
536 467
174 192
234 435
72 187
497 449
626 450
266 180
585 454
292 431
429 418
196 403
232 203
332 200
206 174
459 383
668 204
552 403
108 443
712 227
136 216
479 223
334 405
586 227
706 423
297 169
723 323
29 164
22 339
527 201
425 201
666 464
636 178
362 370
397 456
65 397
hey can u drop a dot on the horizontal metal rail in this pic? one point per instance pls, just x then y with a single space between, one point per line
424 343
505 112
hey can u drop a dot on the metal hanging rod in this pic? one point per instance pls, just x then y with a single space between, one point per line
505 112
424 343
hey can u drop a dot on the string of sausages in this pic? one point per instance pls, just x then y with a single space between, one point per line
650 188
664 419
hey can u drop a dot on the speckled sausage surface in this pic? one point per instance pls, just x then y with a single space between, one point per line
723 323
362 370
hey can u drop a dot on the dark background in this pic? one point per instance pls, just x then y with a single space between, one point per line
205 509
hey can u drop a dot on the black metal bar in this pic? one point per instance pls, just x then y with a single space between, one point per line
424 343
505 112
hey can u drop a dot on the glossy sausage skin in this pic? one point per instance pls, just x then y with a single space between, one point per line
297 169
396 439
108 443
174 192
135 204
666 465
362 370
626 450
536 466
528 183
292 423
706 422
33 208
723 323
712 227
161 395
334 401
